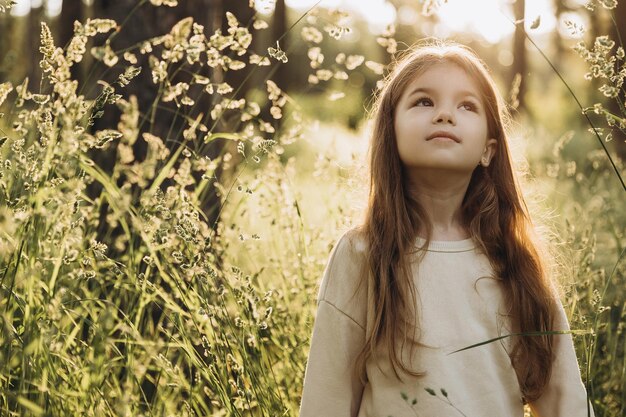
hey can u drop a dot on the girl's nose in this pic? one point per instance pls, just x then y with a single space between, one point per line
444 116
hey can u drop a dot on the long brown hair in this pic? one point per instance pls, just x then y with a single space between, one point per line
494 213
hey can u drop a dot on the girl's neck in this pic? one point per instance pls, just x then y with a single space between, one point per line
448 235
441 199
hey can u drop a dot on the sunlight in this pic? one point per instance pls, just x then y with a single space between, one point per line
491 19
22 8
378 13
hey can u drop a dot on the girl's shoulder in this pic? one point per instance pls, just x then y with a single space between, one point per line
344 281
352 242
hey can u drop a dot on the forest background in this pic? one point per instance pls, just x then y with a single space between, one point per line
174 174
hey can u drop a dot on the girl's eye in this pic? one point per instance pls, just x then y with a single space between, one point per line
423 101
468 105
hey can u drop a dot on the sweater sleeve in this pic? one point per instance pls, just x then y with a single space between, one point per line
565 394
330 389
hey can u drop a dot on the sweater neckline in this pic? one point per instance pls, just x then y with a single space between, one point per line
448 245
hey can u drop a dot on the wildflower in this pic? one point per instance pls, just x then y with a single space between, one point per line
232 20
431 6
105 136
324 74
95 26
341 75
197 45
156 148
76 48
260 24
607 4
261 61
575 29
130 73
316 57
266 127
6 5
535 24
353 61
266 145
311 34
179 33
336 95
241 40
200 79
187 101
276 112
389 43
376 67
47 43
105 54
190 133
235 64
5 89
173 91
336 31
273 90
159 69
224 88
168 3
146 47
278 53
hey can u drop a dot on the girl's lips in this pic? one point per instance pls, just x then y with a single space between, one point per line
444 136
442 139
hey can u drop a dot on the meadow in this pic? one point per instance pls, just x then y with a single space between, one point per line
181 284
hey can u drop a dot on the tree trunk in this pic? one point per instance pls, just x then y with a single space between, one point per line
71 10
147 22
35 17
7 53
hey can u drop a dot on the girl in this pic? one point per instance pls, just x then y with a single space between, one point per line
445 259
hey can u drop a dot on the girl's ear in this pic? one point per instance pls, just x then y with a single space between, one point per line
489 152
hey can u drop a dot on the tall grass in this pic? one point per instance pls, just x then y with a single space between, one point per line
131 302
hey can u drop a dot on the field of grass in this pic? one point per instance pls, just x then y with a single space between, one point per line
128 302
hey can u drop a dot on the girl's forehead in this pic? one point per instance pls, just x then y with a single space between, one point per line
445 75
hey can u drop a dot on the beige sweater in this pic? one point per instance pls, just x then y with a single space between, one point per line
460 304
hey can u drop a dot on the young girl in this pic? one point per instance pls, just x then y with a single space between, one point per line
445 259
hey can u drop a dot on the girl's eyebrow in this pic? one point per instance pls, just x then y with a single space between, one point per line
463 93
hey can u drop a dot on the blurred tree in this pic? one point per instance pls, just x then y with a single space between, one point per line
519 52
141 24
7 42
560 7
35 17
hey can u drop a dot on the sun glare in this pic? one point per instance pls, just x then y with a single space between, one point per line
378 13
490 19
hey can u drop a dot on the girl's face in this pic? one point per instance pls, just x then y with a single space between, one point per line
441 123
